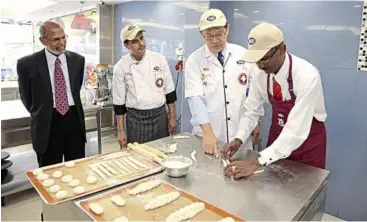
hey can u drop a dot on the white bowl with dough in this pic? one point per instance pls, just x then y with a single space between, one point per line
177 166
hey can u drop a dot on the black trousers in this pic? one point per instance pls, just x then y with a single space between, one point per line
66 139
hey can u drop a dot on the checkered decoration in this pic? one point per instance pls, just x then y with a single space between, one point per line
362 53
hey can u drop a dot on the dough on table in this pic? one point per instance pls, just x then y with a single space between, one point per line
144 186
79 190
118 200
61 195
55 188
96 208
70 164
186 212
57 174
121 219
162 200
258 171
42 176
67 178
91 179
74 183
48 182
38 171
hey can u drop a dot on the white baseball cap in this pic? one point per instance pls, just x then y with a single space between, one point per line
261 39
212 18
129 32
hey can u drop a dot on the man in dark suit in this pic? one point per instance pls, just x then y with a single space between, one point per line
49 84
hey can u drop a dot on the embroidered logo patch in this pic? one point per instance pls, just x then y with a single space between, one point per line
242 79
131 28
251 41
159 82
211 18
240 62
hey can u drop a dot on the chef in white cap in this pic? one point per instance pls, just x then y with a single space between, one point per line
293 87
142 87
216 84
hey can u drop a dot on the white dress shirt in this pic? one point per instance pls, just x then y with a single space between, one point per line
135 82
64 66
308 90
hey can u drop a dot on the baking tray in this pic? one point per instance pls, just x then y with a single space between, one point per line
81 171
134 207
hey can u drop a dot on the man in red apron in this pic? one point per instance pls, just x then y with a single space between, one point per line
293 88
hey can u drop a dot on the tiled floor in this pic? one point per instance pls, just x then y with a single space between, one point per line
26 205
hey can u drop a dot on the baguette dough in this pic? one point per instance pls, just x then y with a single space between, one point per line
42 176
79 190
57 174
67 178
115 165
162 200
96 208
104 170
55 188
126 167
128 163
227 219
137 162
74 183
48 183
61 195
38 171
97 171
109 168
118 200
91 179
121 219
186 212
145 186
115 155
70 164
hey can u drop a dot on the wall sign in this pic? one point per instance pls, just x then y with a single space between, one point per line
362 52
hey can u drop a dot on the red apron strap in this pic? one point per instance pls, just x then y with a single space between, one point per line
290 78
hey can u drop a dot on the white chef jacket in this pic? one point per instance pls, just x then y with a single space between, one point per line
204 79
309 103
51 58
136 83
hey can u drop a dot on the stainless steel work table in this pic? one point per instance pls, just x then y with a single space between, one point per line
284 191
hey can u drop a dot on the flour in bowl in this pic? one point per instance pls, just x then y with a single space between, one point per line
175 164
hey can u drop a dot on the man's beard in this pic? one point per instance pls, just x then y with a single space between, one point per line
55 52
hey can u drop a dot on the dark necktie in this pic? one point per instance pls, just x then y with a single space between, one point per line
61 96
277 91
221 58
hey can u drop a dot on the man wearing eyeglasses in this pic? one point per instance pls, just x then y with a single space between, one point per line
49 85
216 84
293 88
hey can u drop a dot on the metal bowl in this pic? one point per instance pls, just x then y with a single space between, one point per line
177 166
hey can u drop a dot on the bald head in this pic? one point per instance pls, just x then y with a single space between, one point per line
47 26
53 37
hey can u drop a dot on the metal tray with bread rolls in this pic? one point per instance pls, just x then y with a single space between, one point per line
66 181
151 199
